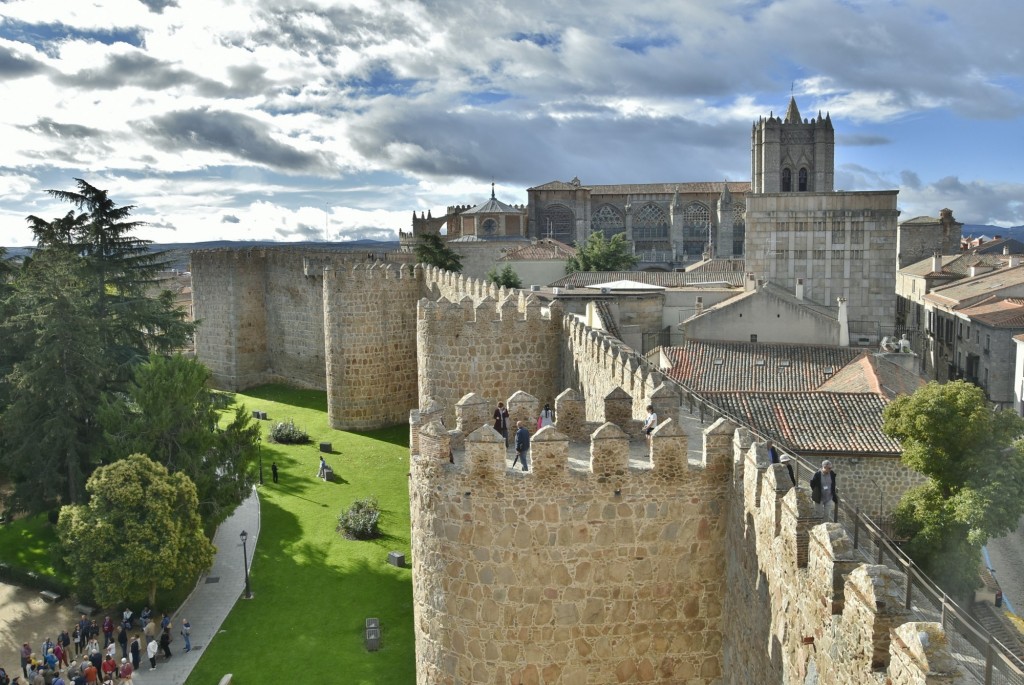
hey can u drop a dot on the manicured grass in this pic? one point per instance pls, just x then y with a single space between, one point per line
313 588
26 543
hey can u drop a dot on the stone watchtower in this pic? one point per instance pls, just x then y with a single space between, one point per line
792 154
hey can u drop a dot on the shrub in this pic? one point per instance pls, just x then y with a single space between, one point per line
360 521
286 433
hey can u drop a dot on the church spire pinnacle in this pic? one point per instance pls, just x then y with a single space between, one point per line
492 190
792 113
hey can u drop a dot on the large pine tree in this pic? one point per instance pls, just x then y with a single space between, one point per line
78 316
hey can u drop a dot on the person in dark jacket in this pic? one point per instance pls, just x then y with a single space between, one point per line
823 489
773 457
522 445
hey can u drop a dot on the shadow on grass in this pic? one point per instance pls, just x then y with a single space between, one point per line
315 593
285 394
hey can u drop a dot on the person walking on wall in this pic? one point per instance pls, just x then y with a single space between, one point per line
322 472
823 490
501 421
546 418
651 422
522 445
773 457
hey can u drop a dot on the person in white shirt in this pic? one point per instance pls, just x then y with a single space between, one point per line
651 422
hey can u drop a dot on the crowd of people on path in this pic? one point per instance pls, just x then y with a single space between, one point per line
76 657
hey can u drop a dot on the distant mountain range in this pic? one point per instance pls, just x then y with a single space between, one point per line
975 230
177 253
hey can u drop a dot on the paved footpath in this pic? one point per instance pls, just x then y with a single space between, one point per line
213 597
24 616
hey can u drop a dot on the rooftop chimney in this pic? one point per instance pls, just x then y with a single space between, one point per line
750 283
844 323
1014 261
699 306
975 271
936 262
1006 249
799 288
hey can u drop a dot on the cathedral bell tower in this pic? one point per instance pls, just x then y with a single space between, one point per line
792 155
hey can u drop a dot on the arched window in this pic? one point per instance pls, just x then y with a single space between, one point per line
650 223
489 227
803 179
607 220
787 181
558 222
696 219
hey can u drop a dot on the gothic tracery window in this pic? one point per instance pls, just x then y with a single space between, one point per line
787 180
558 222
650 223
607 220
803 179
696 219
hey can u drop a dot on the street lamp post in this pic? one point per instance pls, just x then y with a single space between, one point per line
245 560
259 449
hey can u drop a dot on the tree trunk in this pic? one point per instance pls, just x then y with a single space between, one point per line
152 594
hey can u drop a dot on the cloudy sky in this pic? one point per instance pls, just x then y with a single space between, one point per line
286 119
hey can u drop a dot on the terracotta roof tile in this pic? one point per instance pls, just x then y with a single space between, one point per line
713 366
998 312
819 422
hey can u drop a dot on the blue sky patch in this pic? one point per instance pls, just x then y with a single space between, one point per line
45 37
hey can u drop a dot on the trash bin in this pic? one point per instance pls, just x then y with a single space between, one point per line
396 559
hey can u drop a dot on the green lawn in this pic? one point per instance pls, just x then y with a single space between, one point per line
26 543
313 588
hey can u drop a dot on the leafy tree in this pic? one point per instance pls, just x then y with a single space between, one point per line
431 249
973 458
47 428
169 413
506 277
140 532
74 320
598 254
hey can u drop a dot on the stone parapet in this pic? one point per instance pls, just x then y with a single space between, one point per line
827 612
599 575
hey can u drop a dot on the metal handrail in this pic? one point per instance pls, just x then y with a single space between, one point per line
993 651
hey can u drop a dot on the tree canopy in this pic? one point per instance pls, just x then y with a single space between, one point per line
431 249
169 413
140 532
76 318
506 277
598 254
973 458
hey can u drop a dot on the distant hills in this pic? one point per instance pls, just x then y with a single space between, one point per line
975 230
177 253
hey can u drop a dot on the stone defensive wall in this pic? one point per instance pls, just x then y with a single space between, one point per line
453 287
597 363
803 605
496 346
590 569
369 318
260 314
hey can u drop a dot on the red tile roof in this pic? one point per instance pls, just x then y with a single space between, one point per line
714 367
818 422
998 312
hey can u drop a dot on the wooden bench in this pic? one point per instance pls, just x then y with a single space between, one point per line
49 596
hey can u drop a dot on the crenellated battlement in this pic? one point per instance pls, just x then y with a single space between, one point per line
605 542
828 609
610 451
